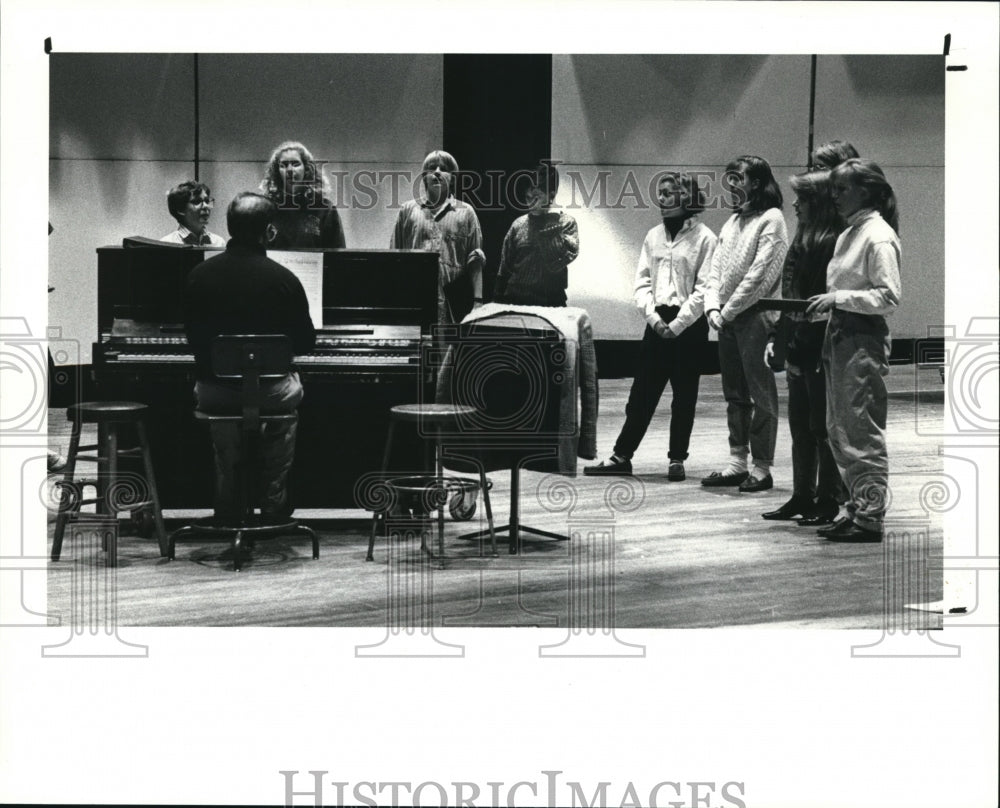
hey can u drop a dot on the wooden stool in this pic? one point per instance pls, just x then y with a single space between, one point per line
434 418
109 416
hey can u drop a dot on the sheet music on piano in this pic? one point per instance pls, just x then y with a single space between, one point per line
308 268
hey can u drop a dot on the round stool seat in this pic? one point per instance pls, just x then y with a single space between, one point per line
430 414
92 412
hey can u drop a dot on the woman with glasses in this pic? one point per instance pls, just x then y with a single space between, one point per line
190 203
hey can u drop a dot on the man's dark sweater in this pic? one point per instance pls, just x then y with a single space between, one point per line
242 291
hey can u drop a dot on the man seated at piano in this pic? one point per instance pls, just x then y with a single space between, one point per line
190 203
242 291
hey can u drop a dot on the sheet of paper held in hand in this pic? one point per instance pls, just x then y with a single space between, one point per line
308 268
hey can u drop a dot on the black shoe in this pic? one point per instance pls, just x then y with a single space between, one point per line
752 484
675 471
855 534
717 479
817 520
609 468
822 513
796 506
842 523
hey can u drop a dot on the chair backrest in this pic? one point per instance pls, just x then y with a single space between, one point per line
250 358
513 376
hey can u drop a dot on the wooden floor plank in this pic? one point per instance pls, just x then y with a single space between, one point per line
685 557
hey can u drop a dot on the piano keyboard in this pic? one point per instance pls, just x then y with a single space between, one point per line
333 360
158 358
355 351
327 360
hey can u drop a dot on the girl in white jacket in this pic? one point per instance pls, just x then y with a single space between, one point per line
863 286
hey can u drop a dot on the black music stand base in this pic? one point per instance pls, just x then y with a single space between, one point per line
514 528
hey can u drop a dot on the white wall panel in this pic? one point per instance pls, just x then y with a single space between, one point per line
679 109
343 107
121 106
94 203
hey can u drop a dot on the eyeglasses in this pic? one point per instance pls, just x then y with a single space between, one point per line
203 200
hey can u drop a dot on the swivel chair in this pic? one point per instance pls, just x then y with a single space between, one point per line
247 359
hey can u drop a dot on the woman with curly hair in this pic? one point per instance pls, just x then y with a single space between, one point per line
305 215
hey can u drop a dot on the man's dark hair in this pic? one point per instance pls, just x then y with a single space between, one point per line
248 216
180 195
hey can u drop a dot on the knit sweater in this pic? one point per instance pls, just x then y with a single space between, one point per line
747 261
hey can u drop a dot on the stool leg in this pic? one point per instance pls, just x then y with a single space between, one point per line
102 468
111 545
111 476
387 450
64 513
371 537
237 551
489 508
147 462
439 483
515 511
386 457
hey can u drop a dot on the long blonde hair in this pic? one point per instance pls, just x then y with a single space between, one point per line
313 185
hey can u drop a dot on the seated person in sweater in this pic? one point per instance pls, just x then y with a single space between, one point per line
190 203
242 291
538 248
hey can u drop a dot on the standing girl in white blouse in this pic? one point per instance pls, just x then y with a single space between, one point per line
863 286
669 291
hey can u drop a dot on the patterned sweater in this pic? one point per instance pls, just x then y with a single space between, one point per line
747 261
534 257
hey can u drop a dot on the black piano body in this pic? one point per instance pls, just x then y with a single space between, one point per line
372 352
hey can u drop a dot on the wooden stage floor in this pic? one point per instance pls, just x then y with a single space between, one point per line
646 553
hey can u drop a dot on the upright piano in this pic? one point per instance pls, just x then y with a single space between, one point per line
372 352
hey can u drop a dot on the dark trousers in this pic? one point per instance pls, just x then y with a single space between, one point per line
277 444
814 471
661 361
749 387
